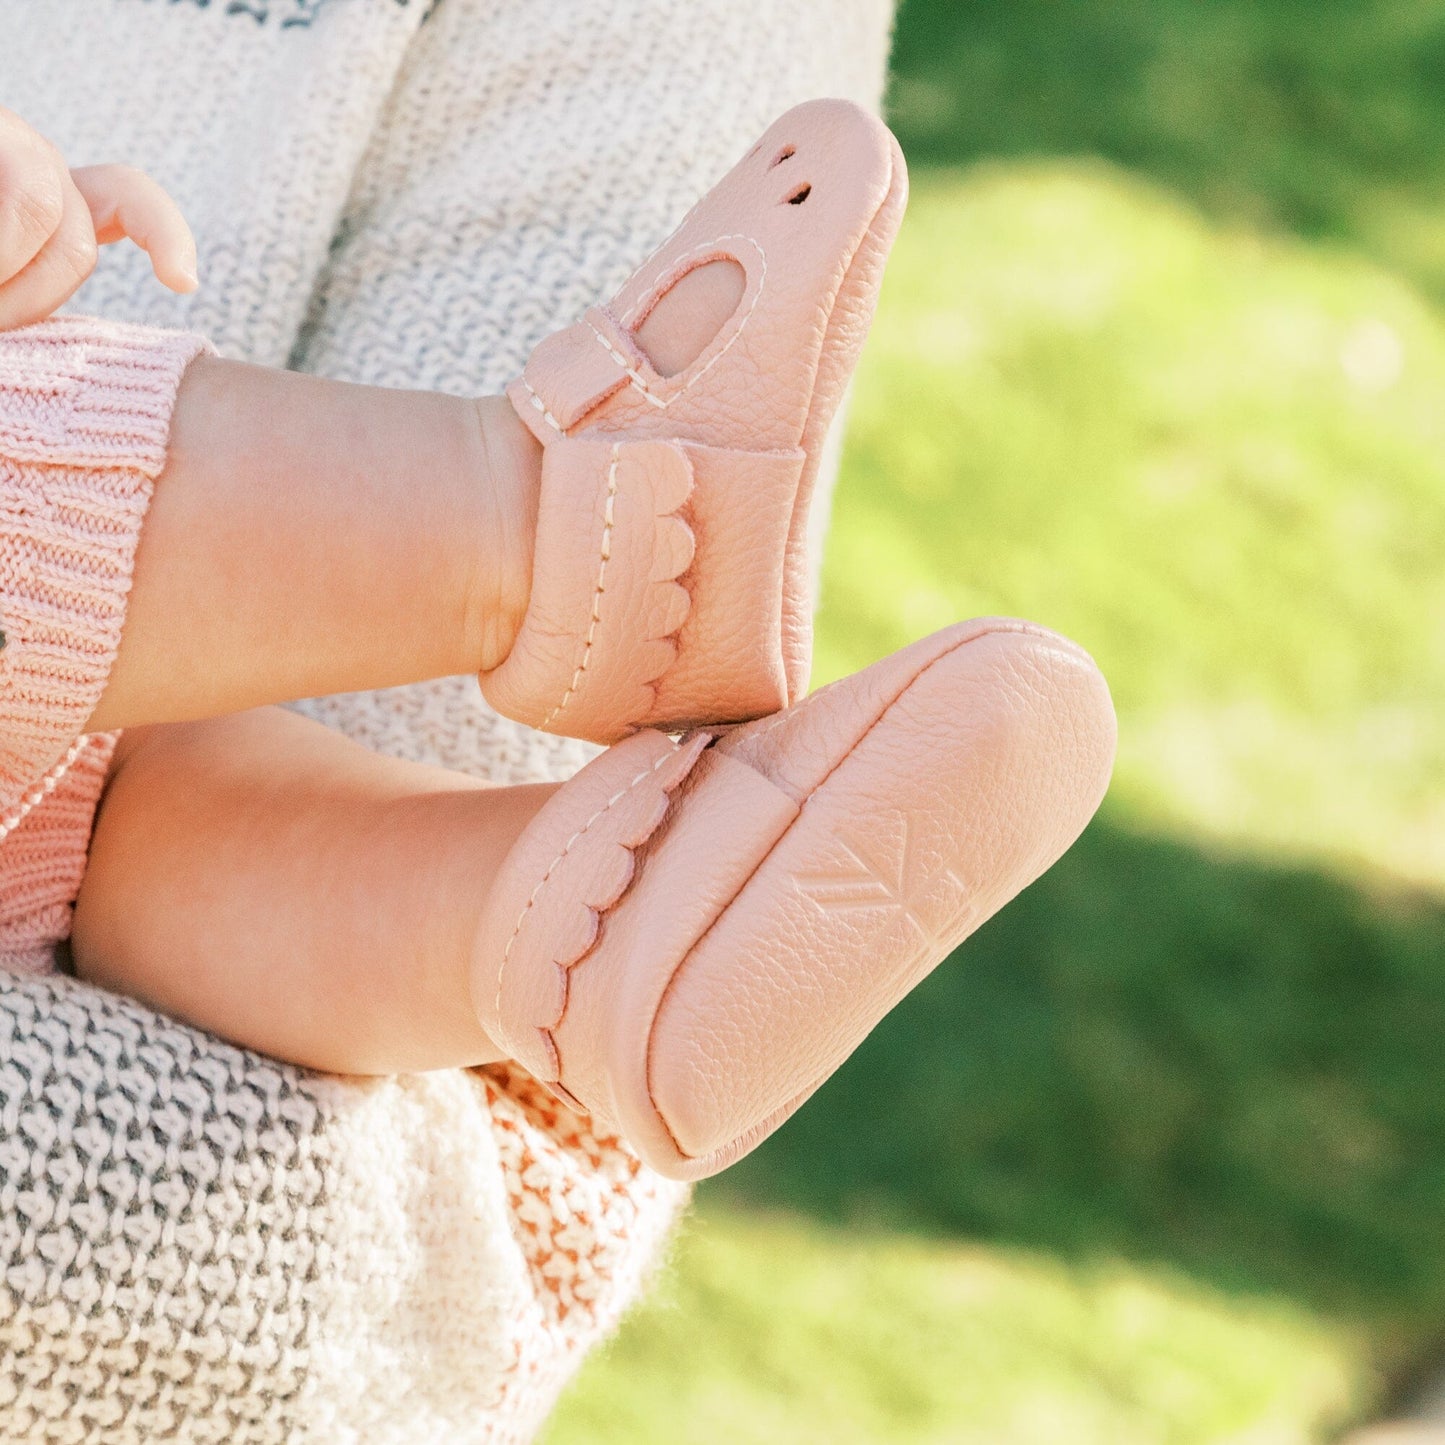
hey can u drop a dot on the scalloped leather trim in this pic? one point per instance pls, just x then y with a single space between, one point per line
558 924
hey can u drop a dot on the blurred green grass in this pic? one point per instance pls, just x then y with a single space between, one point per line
1158 1157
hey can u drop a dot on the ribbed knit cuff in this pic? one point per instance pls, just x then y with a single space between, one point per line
84 393
44 853
85 410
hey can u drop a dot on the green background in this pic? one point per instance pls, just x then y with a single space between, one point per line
1158 1157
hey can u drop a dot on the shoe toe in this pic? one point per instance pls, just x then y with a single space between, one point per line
933 788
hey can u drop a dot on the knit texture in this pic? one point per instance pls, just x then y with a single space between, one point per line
198 1243
84 411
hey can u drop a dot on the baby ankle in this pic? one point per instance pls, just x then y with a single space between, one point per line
508 473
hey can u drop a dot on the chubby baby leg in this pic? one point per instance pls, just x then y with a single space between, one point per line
266 878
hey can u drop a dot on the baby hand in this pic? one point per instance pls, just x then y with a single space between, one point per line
53 219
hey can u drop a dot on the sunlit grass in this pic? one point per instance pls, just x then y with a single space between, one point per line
1158 1157
1218 462
770 1332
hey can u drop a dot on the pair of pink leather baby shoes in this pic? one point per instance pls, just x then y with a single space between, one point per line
695 931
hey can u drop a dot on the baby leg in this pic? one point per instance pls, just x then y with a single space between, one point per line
309 537
266 878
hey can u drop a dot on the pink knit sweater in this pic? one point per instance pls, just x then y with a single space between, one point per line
85 409
126 1169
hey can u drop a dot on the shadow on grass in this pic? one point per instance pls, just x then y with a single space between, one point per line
1168 1055
1325 117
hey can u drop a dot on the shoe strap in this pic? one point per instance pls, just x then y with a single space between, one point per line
574 371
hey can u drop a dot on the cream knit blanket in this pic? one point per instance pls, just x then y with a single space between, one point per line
199 1244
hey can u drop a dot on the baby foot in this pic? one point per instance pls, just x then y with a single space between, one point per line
674 334
676 330
690 937
681 429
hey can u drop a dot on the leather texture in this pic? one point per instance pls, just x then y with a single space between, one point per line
670 582
692 935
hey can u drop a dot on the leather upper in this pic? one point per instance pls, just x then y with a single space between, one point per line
692 935
808 215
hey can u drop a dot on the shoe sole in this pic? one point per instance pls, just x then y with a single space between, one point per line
799 918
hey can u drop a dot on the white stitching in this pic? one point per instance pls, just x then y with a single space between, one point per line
621 360
541 406
671 236
567 848
697 250
607 521
630 319
787 714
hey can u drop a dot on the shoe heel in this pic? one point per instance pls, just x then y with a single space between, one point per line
729 665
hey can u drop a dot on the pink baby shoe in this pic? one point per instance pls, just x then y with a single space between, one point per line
670 583
692 935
